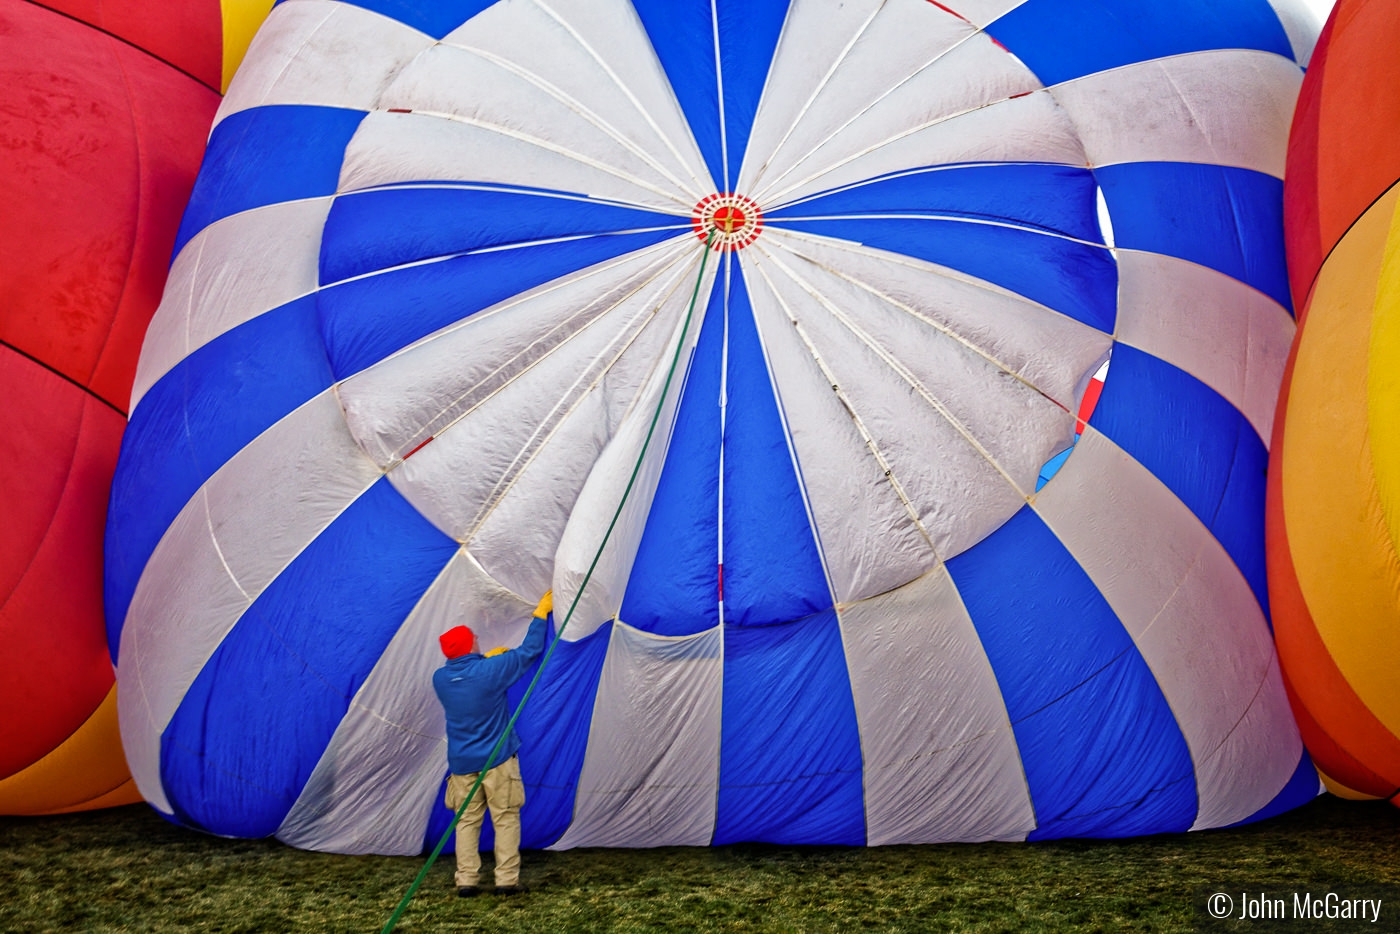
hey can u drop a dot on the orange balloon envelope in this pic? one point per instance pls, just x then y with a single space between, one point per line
104 111
1334 471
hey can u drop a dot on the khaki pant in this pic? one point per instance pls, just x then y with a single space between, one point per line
504 792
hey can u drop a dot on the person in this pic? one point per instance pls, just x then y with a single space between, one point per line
472 690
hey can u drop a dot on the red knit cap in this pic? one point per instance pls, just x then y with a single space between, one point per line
458 640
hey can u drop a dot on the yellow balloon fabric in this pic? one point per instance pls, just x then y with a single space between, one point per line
86 771
241 21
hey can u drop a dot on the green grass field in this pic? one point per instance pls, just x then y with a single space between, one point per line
128 870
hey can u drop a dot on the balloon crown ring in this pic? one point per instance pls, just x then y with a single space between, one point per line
734 220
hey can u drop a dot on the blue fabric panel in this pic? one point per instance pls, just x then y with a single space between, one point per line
683 34
1102 753
1064 39
773 571
1196 443
267 155
673 589
1227 218
435 17
772 568
789 763
553 732
1056 198
380 229
748 37
1298 791
366 320
1052 466
1075 279
257 718
201 413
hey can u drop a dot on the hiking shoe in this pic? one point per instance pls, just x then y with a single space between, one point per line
467 891
509 889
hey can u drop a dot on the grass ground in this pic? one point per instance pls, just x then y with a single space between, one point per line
128 870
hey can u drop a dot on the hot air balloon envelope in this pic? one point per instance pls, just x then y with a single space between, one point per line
1335 471
104 110
758 332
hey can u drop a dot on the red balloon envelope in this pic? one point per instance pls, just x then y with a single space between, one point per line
104 111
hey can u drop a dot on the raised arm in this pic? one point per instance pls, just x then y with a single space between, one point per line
504 668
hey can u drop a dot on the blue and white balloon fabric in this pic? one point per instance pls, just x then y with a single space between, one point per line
874 580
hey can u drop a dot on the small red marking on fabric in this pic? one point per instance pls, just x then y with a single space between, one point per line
400 110
419 448
950 11
1022 94
721 583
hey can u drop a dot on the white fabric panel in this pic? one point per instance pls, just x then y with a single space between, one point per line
964 435
1194 103
255 262
500 98
518 538
651 771
1226 334
963 108
598 50
611 472
314 52
1193 618
390 148
1266 733
1302 24
241 530
957 490
625 140
376 786
1034 345
940 756
420 391
856 511
505 477
1030 128
1105 220
833 61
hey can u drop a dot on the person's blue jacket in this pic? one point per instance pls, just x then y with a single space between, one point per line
472 689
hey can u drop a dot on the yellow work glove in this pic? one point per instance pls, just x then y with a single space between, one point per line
497 651
546 604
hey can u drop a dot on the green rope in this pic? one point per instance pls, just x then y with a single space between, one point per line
627 491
